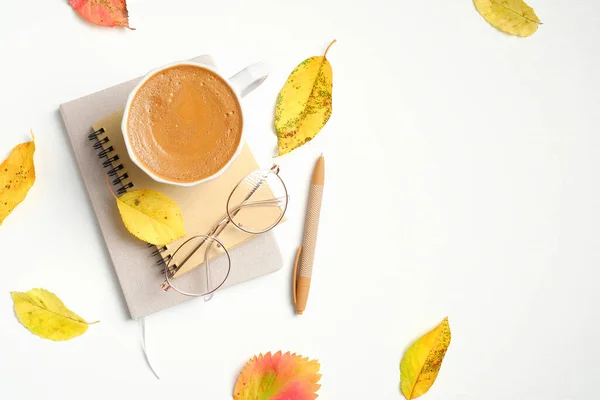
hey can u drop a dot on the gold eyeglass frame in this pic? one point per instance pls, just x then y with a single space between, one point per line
171 270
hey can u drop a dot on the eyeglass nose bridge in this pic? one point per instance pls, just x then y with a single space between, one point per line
219 227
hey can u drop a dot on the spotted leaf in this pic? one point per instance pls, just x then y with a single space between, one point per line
151 216
17 175
422 361
304 103
109 13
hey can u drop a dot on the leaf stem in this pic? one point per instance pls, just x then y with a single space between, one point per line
109 188
92 323
327 49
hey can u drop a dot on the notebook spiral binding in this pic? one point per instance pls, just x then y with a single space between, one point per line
164 260
119 177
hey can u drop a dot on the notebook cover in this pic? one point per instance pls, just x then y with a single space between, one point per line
136 268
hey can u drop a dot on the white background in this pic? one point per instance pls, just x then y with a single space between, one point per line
462 181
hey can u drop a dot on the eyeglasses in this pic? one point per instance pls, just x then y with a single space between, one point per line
256 205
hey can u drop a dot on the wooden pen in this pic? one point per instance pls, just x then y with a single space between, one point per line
306 253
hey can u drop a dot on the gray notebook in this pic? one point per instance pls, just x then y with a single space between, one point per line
138 270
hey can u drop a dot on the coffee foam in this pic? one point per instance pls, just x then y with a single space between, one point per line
184 123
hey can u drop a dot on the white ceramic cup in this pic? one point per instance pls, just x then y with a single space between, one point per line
241 83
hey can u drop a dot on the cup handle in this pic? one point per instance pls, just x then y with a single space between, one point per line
248 79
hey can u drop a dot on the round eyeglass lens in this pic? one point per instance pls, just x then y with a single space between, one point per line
258 202
199 266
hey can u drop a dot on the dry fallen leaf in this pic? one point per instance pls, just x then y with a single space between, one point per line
278 376
514 17
151 216
45 315
422 361
17 175
304 103
109 13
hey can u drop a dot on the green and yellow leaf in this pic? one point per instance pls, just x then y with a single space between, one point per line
422 361
45 315
17 175
514 17
151 216
304 103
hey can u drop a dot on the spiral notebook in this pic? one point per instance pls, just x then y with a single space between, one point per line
93 125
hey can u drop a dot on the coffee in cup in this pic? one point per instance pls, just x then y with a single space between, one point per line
184 124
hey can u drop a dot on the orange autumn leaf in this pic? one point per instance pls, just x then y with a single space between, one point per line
278 377
109 13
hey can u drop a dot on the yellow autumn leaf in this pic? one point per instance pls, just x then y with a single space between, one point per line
45 315
17 175
304 103
422 361
151 216
514 17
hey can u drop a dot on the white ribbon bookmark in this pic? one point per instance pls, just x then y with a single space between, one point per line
143 332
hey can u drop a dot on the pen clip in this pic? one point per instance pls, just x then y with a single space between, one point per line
296 272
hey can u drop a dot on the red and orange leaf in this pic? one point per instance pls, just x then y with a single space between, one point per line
103 12
278 377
